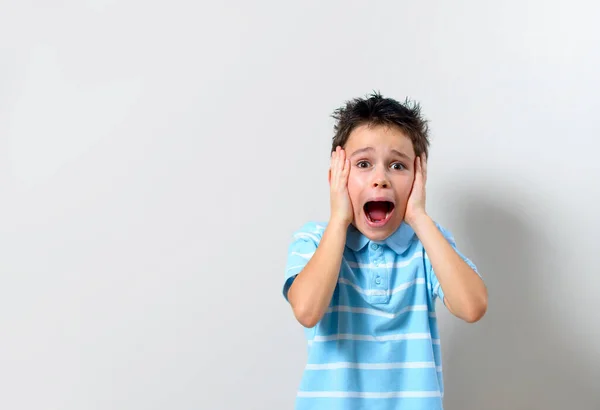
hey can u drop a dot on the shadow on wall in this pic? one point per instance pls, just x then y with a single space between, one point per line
517 357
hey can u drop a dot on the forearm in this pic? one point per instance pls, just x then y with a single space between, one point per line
312 289
465 293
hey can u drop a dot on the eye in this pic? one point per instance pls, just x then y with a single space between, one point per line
398 166
362 164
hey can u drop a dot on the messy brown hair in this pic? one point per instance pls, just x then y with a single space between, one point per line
377 110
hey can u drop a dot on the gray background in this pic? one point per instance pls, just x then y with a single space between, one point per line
155 158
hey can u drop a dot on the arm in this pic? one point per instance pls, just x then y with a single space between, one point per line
465 294
311 291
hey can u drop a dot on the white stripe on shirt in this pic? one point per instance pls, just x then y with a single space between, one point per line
375 312
382 292
370 395
372 366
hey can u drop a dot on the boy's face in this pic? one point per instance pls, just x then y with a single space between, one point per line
381 177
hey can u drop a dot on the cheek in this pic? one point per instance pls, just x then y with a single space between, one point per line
403 189
355 187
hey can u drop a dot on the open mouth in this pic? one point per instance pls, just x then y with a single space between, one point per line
378 212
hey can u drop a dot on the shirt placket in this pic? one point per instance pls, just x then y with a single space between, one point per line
379 276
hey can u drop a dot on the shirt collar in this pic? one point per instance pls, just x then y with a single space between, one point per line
399 241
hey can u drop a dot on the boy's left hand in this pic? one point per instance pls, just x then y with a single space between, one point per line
415 207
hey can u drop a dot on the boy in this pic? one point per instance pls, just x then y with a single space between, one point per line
364 285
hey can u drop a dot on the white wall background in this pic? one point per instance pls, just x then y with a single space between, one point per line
156 156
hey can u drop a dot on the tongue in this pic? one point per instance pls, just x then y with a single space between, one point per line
377 210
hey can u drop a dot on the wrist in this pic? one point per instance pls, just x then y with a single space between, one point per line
419 221
338 223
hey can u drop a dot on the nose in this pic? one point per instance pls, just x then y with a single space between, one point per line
380 178
380 181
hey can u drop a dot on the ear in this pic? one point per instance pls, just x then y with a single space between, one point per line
329 175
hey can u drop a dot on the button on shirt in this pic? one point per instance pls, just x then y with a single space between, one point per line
378 345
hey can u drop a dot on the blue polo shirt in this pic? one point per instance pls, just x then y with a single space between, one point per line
378 345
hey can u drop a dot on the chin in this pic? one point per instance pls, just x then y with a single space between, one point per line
378 234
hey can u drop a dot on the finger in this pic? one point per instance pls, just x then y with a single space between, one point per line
336 166
332 167
340 160
424 167
346 172
419 172
417 167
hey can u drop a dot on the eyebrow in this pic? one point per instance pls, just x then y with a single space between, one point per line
369 149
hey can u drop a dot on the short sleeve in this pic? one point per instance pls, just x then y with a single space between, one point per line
302 247
433 285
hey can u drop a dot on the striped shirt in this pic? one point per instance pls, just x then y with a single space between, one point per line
377 346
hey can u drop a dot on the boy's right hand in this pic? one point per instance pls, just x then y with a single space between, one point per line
341 206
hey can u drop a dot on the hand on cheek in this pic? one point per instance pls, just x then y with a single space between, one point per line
341 207
415 206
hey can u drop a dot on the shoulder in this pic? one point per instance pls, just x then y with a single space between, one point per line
311 228
310 231
445 231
